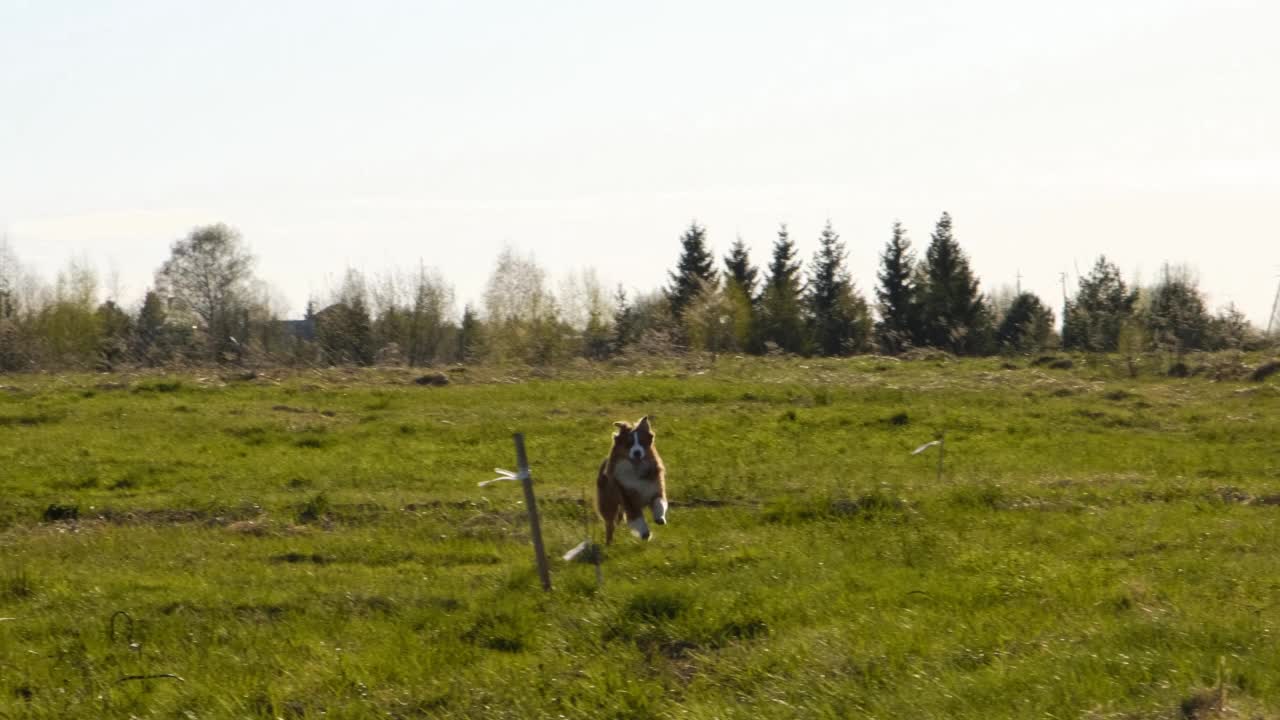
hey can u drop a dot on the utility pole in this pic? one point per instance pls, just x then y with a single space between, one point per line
1062 276
1273 324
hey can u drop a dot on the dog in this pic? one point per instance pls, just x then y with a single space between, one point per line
631 479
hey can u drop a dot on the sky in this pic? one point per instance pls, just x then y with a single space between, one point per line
379 135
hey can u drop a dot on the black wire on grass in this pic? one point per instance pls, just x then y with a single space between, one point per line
111 633
161 676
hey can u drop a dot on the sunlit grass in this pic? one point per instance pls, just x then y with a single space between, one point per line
314 545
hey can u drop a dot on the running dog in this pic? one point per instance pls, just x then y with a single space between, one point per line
631 479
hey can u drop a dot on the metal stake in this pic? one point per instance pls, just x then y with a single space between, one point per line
535 525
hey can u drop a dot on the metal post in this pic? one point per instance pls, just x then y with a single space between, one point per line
535 525
1273 323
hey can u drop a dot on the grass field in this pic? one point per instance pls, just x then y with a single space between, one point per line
309 545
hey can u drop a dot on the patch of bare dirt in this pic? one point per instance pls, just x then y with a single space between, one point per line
181 516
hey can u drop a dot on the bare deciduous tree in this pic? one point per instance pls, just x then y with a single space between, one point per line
522 317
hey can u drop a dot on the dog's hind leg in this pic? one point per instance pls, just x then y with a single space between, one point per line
610 520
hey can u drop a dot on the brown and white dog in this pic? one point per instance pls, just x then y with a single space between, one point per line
631 479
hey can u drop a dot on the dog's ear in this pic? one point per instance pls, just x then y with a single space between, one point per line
621 427
644 431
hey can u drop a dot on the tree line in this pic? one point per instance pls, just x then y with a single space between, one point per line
207 306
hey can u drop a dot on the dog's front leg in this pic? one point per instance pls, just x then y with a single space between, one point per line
635 517
660 510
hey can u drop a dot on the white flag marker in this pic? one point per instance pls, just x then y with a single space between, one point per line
925 446
505 476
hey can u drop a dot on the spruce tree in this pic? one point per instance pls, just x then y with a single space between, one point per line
694 272
781 303
470 335
1027 325
1176 316
344 330
624 321
150 325
838 319
899 325
1094 319
9 272
742 296
955 317
739 270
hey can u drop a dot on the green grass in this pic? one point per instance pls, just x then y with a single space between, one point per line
311 545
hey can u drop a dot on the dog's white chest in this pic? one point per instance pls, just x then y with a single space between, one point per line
628 476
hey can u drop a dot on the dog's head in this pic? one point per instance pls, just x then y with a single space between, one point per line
634 443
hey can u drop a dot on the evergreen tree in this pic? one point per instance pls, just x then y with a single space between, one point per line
624 321
344 330
150 326
13 346
1176 318
470 336
1094 319
742 298
597 337
429 328
1027 325
899 325
117 330
781 304
739 271
954 314
361 331
694 271
838 319
9 275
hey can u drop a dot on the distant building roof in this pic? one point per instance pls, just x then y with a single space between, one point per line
302 329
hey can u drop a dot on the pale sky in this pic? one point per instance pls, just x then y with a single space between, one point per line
375 134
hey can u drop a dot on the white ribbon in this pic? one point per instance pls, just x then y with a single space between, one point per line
577 550
506 476
925 446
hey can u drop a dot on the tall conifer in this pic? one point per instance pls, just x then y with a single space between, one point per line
955 317
694 272
781 303
838 319
898 296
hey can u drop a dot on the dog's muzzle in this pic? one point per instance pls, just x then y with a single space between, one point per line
637 450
